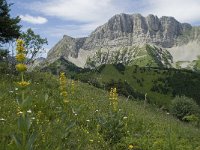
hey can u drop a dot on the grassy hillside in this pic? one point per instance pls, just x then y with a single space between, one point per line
161 85
87 122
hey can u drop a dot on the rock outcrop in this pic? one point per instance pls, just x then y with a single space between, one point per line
124 30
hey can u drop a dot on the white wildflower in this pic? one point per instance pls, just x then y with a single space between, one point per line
2 119
125 117
20 112
29 111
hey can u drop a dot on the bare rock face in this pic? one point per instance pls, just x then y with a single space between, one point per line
123 30
66 47
153 23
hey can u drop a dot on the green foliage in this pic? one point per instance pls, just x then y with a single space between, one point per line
4 64
34 43
62 65
85 122
162 85
113 128
9 28
124 89
4 53
183 107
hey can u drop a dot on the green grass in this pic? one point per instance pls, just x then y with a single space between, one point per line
75 125
161 85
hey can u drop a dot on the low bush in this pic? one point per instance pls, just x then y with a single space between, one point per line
184 106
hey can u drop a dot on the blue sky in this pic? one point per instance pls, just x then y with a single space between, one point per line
77 18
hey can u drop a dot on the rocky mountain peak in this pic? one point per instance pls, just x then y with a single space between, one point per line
123 30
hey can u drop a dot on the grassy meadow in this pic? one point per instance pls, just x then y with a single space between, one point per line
87 121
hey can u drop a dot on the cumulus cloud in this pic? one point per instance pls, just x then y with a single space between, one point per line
182 10
33 20
78 10
101 10
85 15
75 30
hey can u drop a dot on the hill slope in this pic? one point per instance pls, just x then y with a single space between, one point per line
145 127
161 85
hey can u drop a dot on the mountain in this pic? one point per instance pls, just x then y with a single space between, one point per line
128 38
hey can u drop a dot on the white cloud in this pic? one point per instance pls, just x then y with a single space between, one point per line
85 15
58 31
33 20
99 11
78 10
182 10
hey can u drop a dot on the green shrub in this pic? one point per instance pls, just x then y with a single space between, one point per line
184 106
113 128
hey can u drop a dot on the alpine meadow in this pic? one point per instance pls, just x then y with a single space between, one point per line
95 75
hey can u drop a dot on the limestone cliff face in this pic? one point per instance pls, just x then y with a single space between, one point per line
66 47
124 30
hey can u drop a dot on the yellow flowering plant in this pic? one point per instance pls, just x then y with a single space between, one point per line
21 67
23 84
63 87
23 138
113 96
20 57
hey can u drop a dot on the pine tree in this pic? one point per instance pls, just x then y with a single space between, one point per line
9 27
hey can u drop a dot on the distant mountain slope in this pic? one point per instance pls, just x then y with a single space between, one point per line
124 31
161 85
146 55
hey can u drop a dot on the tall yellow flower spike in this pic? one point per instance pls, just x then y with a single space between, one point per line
20 57
21 110
113 96
63 87
21 66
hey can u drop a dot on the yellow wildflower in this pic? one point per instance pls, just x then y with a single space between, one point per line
21 67
20 49
130 146
63 87
65 101
20 57
20 46
20 42
23 83
114 98
63 93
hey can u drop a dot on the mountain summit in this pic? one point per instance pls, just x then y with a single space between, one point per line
123 39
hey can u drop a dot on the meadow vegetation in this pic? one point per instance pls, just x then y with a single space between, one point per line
78 115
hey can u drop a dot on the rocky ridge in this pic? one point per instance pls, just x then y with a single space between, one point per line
124 30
